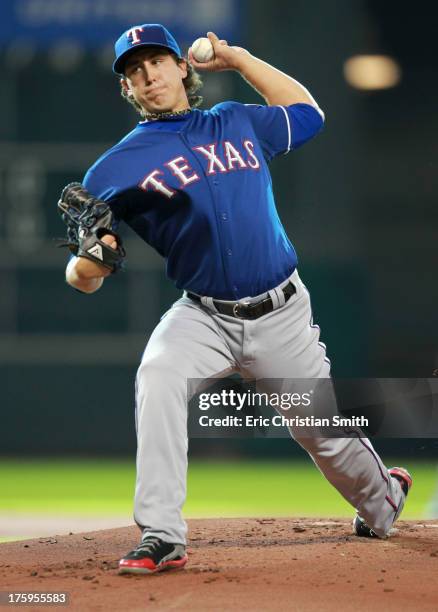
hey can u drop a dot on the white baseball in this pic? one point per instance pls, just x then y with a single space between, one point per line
202 50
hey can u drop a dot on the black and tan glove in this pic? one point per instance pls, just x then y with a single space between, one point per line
88 219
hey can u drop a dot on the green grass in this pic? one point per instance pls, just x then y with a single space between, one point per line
241 488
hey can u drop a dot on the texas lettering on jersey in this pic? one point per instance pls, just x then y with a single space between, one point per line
207 203
222 158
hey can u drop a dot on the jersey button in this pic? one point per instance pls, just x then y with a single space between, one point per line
229 252
224 216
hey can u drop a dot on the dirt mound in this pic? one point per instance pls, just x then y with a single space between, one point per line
238 564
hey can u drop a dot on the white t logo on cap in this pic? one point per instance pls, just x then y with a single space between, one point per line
133 33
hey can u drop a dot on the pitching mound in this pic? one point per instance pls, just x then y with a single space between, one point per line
238 564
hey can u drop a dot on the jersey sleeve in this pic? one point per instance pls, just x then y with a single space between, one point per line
282 128
100 186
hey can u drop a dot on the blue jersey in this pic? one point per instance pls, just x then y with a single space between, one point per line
197 188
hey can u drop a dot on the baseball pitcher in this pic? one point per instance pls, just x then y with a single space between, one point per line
195 185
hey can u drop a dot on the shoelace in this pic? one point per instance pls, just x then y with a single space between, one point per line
148 545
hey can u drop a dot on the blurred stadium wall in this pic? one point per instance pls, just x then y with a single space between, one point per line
359 202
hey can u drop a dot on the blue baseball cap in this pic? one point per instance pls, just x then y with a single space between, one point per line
137 37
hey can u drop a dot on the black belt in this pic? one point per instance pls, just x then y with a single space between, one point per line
247 311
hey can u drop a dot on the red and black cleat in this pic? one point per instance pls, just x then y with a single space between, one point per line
360 528
153 555
403 476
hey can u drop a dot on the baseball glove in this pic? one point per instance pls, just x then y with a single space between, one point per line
88 219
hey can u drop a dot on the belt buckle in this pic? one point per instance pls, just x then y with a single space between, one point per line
236 310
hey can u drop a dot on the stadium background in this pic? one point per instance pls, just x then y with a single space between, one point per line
359 204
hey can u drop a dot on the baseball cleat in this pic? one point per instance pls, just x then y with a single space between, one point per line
153 555
360 528
403 476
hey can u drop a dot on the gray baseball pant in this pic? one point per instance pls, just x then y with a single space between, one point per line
194 341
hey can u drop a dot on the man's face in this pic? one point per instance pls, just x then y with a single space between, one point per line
154 78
